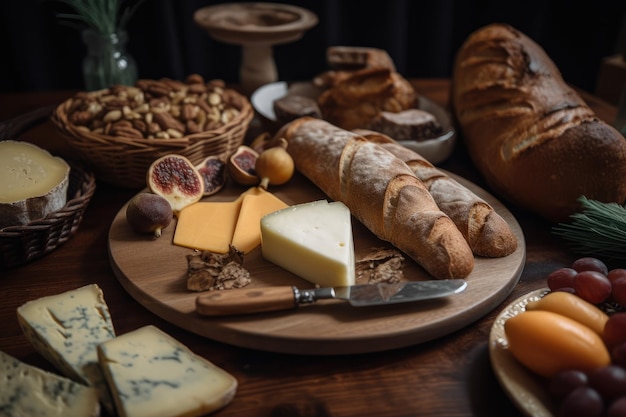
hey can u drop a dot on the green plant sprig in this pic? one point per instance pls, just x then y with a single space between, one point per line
598 230
104 16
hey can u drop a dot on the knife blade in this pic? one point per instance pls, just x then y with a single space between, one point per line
256 300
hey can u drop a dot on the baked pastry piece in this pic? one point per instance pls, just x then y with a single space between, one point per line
291 107
411 124
356 100
358 57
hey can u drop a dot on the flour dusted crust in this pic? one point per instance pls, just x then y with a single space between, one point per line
533 138
382 192
486 232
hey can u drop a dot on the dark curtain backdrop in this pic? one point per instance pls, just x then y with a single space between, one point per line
422 37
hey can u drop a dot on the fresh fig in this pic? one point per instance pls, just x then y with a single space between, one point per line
149 213
176 179
213 172
241 166
274 165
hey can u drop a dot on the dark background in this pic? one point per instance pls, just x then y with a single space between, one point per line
39 53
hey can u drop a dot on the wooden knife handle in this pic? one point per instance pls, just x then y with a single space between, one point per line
245 301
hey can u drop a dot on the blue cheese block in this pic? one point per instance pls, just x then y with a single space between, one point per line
29 391
66 329
152 374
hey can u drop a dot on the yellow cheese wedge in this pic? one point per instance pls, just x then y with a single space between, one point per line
254 206
207 225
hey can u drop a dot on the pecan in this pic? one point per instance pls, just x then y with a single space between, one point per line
153 127
121 124
125 132
197 88
192 127
81 118
194 79
189 112
140 125
167 121
158 90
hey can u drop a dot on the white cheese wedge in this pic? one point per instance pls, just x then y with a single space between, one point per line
311 240
152 374
34 183
26 390
66 329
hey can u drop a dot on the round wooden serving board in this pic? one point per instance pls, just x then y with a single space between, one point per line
154 272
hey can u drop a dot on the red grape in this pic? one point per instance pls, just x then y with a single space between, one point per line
590 264
615 330
592 286
564 382
582 402
561 278
609 381
617 408
619 291
616 273
618 354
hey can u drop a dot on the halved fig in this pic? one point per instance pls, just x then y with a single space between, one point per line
241 166
213 172
176 179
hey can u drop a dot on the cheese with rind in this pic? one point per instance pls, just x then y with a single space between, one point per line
26 390
311 240
152 374
66 328
34 183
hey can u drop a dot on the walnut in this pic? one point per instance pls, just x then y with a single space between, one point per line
208 271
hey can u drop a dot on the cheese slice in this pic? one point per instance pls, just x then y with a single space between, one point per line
34 183
254 206
152 374
207 225
66 329
26 390
312 240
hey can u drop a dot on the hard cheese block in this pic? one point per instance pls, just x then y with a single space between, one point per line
66 329
152 374
34 183
312 240
215 226
29 391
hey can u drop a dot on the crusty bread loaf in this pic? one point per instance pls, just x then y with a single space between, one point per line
358 57
354 101
381 191
532 137
486 232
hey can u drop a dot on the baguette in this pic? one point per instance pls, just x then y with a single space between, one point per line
532 137
381 192
486 232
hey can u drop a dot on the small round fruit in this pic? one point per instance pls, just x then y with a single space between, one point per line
582 402
609 381
564 382
274 165
592 286
590 264
176 179
561 278
618 291
149 213
616 273
615 330
240 166
617 408
618 354
213 172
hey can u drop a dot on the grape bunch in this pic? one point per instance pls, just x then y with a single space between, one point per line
601 392
590 279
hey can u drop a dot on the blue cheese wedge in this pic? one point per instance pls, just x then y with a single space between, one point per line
66 329
152 374
311 240
34 183
26 390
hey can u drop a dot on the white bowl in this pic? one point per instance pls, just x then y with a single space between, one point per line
435 150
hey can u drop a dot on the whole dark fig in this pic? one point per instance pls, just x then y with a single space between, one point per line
149 213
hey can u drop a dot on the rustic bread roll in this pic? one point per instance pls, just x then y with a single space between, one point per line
486 232
357 99
381 192
358 57
531 136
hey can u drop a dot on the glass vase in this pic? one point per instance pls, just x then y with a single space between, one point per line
107 63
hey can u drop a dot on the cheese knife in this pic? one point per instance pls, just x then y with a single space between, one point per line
256 300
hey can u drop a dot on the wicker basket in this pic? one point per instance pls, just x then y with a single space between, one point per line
22 244
124 161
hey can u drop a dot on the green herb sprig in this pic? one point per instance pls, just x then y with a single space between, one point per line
598 230
104 16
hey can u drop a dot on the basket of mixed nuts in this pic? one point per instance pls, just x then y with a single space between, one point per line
121 130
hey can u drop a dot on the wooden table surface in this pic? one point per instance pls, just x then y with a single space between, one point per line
450 376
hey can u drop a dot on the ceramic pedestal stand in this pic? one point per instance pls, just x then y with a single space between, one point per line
257 27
